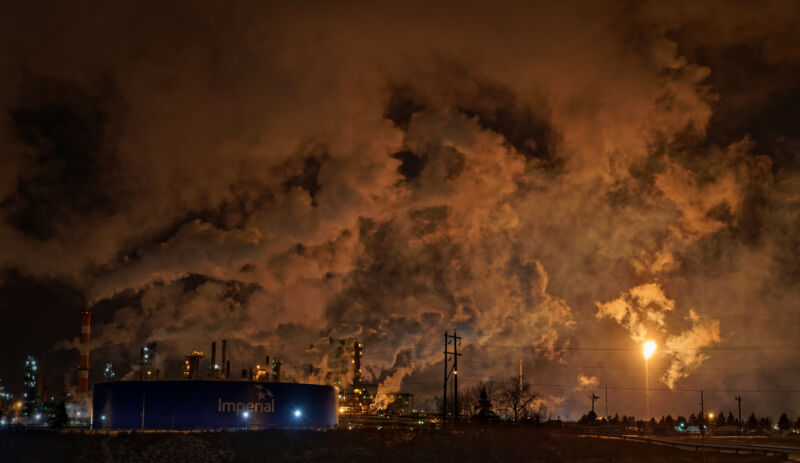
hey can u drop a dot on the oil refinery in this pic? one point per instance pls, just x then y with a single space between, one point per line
208 397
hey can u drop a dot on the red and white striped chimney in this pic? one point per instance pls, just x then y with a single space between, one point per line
83 368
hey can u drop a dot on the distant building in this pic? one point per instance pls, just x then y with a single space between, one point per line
30 386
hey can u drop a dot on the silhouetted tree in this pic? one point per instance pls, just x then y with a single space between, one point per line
484 404
539 414
731 421
765 423
784 423
720 419
516 398
752 421
59 419
693 420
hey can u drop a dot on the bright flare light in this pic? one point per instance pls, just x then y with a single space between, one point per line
298 413
649 348
246 414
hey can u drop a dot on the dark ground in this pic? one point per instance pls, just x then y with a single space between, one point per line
498 444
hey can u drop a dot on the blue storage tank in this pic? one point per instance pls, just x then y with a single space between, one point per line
212 405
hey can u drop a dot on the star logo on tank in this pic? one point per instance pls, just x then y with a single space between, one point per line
262 392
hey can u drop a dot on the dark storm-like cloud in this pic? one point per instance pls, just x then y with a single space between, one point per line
64 132
278 175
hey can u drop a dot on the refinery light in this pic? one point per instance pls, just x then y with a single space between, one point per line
649 348
298 413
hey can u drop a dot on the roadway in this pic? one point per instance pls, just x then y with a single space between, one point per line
789 451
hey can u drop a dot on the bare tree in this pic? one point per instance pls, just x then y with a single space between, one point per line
539 413
470 399
516 398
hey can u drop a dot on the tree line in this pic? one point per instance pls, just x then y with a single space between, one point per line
509 400
516 401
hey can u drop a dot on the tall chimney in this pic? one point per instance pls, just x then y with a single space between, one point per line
222 354
266 365
83 367
214 370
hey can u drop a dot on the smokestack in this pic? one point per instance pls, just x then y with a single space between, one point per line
83 368
226 366
214 369
266 365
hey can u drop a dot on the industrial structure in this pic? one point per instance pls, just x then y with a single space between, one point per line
83 368
108 373
355 399
208 397
206 404
31 385
211 400
147 369
191 365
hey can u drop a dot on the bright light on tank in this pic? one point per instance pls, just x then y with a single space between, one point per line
649 348
298 413
38 416
246 414
103 417
2 421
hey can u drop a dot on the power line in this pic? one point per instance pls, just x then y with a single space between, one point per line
602 367
631 388
785 347
755 315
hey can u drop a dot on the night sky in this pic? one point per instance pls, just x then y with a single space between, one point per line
552 180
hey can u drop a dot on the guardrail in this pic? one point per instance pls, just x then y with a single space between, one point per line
704 446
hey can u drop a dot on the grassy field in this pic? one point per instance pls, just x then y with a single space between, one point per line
494 444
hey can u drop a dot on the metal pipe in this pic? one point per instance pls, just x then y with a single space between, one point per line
225 365
214 369
83 368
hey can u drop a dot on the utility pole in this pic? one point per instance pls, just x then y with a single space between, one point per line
606 401
456 341
448 372
738 398
144 400
702 427
444 393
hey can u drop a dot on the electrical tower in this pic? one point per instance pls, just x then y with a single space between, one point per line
449 373
593 398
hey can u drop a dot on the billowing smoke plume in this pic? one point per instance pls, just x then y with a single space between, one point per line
643 311
282 175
